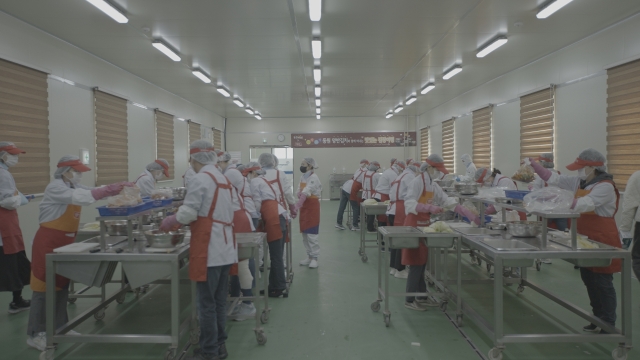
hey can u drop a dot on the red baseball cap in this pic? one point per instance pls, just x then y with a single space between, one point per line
482 176
76 165
12 149
165 167
579 164
439 166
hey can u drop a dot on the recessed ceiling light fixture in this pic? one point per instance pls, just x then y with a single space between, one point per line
551 7
490 46
389 114
316 48
315 10
318 90
110 10
318 101
237 101
410 100
398 108
165 49
258 116
318 110
318 117
451 72
181 119
317 74
201 75
249 110
427 88
140 105
223 90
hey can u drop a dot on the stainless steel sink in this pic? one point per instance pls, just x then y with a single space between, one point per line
478 231
500 244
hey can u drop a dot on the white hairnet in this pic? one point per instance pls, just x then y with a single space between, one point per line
545 163
254 164
479 173
466 158
276 161
413 168
3 144
423 167
364 161
393 161
155 166
207 155
266 160
435 158
225 157
311 162
374 166
240 167
64 169
594 155
399 166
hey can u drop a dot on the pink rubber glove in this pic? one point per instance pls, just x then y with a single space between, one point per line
490 210
170 223
294 212
301 199
573 205
467 213
106 191
428 208
545 174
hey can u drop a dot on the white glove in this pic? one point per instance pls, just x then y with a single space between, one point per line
626 234
527 161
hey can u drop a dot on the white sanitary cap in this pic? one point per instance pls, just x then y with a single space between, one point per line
10 148
393 161
589 157
364 161
253 166
312 162
481 175
374 166
160 164
224 157
466 158
423 167
67 163
203 152
276 161
240 167
266 160
546 160
413 167
399 165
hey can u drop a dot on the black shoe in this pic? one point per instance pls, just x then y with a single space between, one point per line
197 355
19 306
222 353
590 328
576 267
278 293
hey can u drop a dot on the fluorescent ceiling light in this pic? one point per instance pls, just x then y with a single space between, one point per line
201 75
411 100
318 101
318 110
110 10
164 48
140 105
389 114
181 119
318 116
316 48
552 7
249 110
398 108
317 74
315 10
224 91
318 91
427 88
491 45
258 116
451 72
237 101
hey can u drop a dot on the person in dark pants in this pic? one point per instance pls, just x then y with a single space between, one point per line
635 251
631 214
344 200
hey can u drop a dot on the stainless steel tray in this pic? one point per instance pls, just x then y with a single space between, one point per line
473 231
401 237
510 245
442 240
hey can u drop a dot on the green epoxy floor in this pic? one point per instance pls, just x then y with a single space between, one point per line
328 316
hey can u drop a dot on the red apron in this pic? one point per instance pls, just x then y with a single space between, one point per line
309 213
418 256
355 187
270 212
383 218
52 235
201 235
601 229
400 213
371 191
10 232
241 224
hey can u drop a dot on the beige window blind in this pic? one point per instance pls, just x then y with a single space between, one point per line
164 139
217 139
112 151
482 137
537 113
194 132
424 143
448 144
24 120
623 121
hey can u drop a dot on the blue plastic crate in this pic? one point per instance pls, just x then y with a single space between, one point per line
124 211
516 194
487 219
158 203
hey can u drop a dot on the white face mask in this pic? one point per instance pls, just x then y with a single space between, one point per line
158 175
74 177
582 174
10 160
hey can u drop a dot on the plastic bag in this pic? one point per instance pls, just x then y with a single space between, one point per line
491 193
129 196
550 199
441 227
471 207
162 194
524 174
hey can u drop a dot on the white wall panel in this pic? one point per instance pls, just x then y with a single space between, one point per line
506 138
463 141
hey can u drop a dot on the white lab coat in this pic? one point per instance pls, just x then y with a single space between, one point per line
347 186
264 192
384 182
359 174
602 198
197 203
147 183
538 183
313 185
237 180
58 195
471 171
418 185
369 183
401 189
188 176
631 204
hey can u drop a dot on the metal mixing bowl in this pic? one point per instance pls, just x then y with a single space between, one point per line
179 193
503 200
163 240
467 188
118 227
524 228
444 183
444 216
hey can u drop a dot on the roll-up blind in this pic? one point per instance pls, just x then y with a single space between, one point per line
112 151
194 132
217 139
537 113
623 121
448 144
424 143
24 120
164 139
482 137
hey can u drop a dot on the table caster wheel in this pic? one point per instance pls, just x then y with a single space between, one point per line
72 300
443 306
495 354
431 284
538 264
375 306
619 353
387 320
261 337
264 318
99 315
364 258
479 261
359 252
48 354
520 289
170 354
488 268
459 321
194 338
120 299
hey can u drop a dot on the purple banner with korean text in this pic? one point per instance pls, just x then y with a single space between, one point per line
339 140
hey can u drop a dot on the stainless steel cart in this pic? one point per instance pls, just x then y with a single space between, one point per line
375 209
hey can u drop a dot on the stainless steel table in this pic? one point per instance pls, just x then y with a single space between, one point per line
375 209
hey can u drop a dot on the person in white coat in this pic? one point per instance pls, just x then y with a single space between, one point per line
369 183
470 169
396 212
308 205
630 217
209 208
188 175
155 171
383 187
